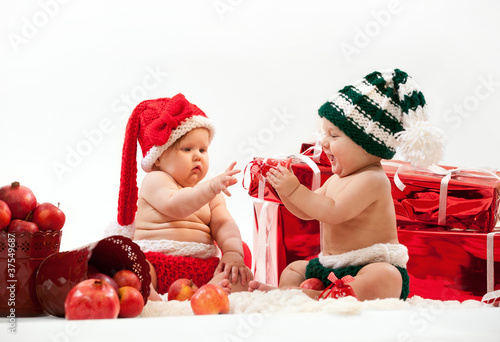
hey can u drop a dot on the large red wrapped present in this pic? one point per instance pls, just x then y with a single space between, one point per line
452 265
445 196
279 239
311 167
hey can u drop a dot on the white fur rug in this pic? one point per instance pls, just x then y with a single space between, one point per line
294 301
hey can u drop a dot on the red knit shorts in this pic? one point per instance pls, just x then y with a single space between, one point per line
170 268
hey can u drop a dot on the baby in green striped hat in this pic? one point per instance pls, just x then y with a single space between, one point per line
363 123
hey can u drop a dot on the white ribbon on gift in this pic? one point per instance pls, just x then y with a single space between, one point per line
447 175
491 296
316 150
267 221
490 261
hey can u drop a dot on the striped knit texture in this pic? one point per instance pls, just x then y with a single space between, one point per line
376 109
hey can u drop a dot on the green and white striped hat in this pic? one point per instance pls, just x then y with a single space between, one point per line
384 111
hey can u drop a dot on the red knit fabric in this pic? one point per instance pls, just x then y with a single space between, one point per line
159 117
170 268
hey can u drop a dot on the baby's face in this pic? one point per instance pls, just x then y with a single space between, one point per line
187 160
345 155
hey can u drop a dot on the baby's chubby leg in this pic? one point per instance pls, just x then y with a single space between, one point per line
293 275
377 281
153 295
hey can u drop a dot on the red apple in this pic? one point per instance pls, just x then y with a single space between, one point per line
131 302
182 289
92 299
105 278
20 200
127 278
48 217
20 226
210 299
5 215
312 284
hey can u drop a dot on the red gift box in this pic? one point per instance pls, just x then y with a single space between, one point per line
452 265
281 238
311 167
445 196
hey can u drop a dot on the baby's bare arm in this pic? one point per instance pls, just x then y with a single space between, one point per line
161 192
327 206
285 183
227 235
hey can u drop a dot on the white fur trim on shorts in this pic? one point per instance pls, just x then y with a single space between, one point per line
392 253
179 248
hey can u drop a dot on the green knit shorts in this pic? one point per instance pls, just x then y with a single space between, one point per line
315 270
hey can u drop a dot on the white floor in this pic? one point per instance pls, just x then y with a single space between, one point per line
468 325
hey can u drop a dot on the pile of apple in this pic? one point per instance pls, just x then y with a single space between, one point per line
209 299
20 211
103 297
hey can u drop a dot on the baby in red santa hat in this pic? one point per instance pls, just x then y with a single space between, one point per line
180 222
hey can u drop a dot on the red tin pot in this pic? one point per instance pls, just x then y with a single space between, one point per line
20 257
59 272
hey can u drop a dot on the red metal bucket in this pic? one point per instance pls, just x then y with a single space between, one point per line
20 257
59 272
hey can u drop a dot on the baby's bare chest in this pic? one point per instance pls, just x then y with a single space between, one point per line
203 214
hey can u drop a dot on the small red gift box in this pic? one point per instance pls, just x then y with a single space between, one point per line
452 265
311 167
281 238
445 196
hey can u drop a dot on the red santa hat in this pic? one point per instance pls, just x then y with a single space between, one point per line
156 124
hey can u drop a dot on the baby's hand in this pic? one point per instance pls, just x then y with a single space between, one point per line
233 265
224 180
283 180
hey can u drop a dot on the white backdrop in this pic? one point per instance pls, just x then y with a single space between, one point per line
71 73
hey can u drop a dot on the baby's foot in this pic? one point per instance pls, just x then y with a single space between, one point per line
226 285
154 296
255 285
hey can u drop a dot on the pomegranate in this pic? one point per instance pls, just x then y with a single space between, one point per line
5 215
92 299
20 200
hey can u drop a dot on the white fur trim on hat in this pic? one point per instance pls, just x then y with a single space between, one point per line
392 253
179 248
196 121
115 229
